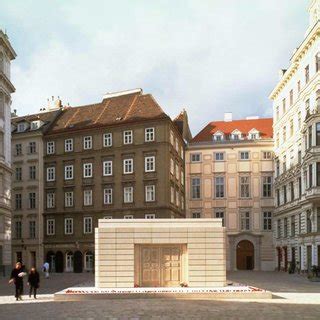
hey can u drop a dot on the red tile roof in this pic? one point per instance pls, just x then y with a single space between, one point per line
111 111
264 126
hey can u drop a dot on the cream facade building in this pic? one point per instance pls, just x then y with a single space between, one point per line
296 107
28 185
7 54
229 175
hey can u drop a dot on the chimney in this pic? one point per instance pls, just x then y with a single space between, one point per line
227 116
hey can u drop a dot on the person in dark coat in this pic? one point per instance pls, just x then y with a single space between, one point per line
16 277
33 282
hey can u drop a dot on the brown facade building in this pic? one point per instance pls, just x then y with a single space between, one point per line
120 158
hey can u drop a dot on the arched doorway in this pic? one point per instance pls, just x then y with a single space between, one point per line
88 261
69 261
51 259
77 262
59 261
245 255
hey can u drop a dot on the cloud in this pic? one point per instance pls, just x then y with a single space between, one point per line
207 56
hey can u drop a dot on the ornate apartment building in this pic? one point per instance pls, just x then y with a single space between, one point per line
296 108
119 158
229 175
27 185
7 54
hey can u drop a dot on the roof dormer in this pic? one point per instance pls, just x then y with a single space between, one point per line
36 124
22 126
236 135
253 134
218 136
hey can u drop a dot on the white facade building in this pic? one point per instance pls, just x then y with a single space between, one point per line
6 89
296 111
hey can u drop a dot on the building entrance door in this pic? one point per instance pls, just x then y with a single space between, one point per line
160 266
245 255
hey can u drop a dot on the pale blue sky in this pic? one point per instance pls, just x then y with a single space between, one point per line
208 56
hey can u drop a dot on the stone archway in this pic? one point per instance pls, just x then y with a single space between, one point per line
245 255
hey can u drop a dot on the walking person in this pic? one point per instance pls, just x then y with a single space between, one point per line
33 282
16 277
46 267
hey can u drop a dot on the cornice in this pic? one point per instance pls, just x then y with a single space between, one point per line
6 43
313 35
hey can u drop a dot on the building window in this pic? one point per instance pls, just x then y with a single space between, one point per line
149 134
68 172
177 172
284 164
307 74
277 113
128 166
107 139
32 147
18 149
107 195
284 194
32 172
87 142
195 188
196 215
32 229
285 227
310 137
68 199
177 198
291 127
50 147
283 105
267 155
292 190
51 174
88 261
244 155
219 187
51 200
220 214
293 226
278 228
128 194
68 145
68 226
244 187
171 138
300 223
149 216
318 133
87 197
107 168
150 192
149 164
32 200
310 176
128 137
172 166
309 223
87 225
18 201
267 187
87 170
18 174
51 226
299 86
172 194
128 216
318 62
300 187
245 220
267 220
195 157
278 198
219 156
18 229
284 134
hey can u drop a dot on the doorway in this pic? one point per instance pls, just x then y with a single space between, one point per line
245 255
78 264
160 266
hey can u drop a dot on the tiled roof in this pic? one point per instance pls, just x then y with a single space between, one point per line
45 117
114 110
264 126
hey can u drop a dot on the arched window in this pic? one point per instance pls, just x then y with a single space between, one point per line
69 261
88 261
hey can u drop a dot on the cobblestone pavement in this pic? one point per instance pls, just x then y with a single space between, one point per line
297 299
